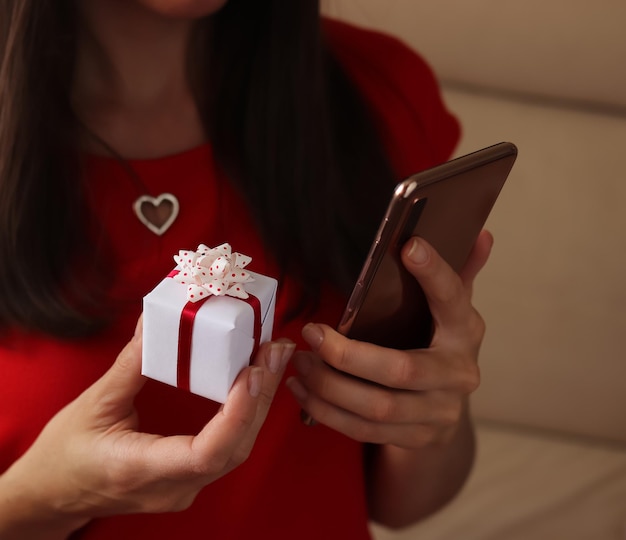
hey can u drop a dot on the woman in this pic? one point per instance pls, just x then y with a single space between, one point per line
281 134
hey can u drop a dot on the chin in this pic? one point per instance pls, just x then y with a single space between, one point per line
184 9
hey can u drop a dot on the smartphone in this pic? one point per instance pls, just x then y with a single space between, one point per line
446 205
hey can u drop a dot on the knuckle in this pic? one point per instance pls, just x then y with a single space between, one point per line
451 414
183 503
471 379
242 454
265 400
364 432
341 358
170 502
122 478
422 436
477 326
449 293
383 408
124 358
405 370
239 456
161 505
211 466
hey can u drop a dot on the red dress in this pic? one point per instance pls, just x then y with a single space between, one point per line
299 482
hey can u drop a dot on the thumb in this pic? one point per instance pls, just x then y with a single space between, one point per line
118 387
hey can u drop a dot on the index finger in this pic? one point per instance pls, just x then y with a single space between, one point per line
228 438
404 370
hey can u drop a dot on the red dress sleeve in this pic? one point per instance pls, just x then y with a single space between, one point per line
402 93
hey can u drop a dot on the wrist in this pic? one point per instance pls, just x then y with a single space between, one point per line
29 513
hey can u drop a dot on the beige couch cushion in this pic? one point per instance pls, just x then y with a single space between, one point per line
533 487
554 291
564 49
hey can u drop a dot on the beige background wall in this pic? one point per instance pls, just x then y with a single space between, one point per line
573 49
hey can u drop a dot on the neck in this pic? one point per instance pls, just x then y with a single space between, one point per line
131 83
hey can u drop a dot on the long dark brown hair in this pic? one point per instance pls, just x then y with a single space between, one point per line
285 121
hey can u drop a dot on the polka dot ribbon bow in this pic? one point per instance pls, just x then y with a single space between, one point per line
213 271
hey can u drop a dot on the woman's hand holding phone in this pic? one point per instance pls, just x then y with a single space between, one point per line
406 398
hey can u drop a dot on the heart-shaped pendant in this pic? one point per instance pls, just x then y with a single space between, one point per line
157 213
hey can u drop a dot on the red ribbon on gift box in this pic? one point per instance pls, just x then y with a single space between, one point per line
185 330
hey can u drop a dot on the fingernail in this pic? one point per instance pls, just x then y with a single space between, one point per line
313 335
255 381
306 418
279 355
417 253
275 357
287 352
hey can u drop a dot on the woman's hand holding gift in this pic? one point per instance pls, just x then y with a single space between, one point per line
90 460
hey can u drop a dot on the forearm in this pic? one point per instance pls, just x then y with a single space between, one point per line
405 486
25 514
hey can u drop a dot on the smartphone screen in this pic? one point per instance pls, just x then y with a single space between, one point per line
446 205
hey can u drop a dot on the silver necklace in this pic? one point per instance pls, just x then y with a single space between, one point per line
156 213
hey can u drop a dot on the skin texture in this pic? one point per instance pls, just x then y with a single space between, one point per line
411 407
131 86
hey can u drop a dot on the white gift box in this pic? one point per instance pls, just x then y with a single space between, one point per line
222 335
